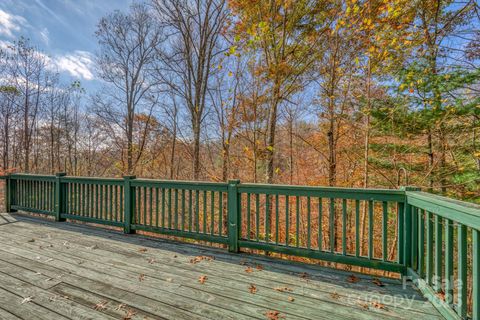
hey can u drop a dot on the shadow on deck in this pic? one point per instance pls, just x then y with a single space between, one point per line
69 271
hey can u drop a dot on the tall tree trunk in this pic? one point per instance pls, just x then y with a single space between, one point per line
272 126
443 159
290 142
26 130
130 142
174 144
196 149
431 160
366 150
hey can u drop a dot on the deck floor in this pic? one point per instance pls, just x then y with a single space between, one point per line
69 271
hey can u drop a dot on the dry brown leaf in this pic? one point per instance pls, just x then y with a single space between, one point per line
259 267
253 289
441 295
142 250
353 279
364 305
141 277
273 315
335 295
378 305
283 289
202 279
249 270
101 305
129 315
197 259
291 299
378 282
121 306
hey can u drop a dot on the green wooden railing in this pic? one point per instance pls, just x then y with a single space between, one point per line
433 240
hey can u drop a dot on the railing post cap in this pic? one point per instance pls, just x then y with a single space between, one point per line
60 174
234 181
129 177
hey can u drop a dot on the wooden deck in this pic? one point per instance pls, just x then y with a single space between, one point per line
68 271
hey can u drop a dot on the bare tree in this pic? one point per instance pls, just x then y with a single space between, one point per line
194 31
126 61
29 75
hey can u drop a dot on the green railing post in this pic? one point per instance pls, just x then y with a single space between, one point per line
7 193
233 215
10 192
128 207
410 232
59 196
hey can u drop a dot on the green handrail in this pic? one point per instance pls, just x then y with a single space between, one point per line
440 225
425 236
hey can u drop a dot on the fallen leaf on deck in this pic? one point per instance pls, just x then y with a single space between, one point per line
142 250
291 299
352 278
129 315
378 282
248 270
202 279
441 295
121 306
378 305
101 305
283 289
364 305
259 267
141 277
253 289
197 259
273 315
335 295
27 300
151 260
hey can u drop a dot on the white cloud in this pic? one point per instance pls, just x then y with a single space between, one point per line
10 23
78 64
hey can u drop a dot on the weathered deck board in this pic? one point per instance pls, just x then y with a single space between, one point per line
155 279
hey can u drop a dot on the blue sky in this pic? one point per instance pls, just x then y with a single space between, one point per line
62 29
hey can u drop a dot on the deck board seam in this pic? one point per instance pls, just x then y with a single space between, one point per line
151 270
136 293
35 303
318 299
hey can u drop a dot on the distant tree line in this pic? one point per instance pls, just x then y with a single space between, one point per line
366 93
